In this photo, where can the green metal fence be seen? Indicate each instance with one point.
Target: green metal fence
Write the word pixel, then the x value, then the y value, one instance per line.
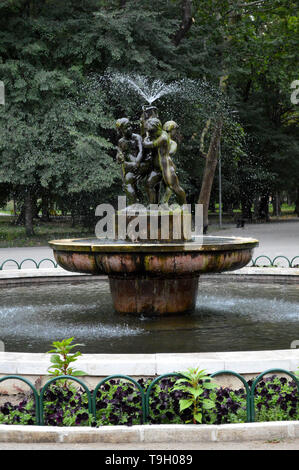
pixel 20 264
pixel 259 261
pixel 145 397
pixel 291 263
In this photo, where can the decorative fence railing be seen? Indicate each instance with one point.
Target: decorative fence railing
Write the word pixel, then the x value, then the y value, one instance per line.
pixel 255 262
pixel 291 263
pixel 145 395
pixel 20 264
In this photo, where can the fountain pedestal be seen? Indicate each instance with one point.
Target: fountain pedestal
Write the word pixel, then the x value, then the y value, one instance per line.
pixel 154 296
pixel 153 225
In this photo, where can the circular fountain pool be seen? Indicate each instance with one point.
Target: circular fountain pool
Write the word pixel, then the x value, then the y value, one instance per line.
pixel 229 316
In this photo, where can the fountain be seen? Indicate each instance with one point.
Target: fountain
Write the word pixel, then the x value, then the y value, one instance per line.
pixel 230 315
pixel 153 261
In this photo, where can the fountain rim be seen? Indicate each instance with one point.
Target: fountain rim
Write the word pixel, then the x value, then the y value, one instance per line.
pixel 93 245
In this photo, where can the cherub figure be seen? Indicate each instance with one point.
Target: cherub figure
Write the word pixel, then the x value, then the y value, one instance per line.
pixel 129 155
pixel 159 140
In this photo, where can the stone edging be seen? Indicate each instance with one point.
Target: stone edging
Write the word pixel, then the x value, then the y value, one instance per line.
pixel 60 272
pixel 150 365
pixel 163 433
pixel 254 270
pixel 10 277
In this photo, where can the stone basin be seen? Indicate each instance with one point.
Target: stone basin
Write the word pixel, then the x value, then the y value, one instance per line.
pixel 153 278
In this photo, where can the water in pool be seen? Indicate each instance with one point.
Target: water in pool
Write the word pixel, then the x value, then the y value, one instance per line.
pixel 229 316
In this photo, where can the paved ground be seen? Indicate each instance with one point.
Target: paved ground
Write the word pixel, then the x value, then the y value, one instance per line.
pixel 37 253
pixel 288 444
pixel 280 238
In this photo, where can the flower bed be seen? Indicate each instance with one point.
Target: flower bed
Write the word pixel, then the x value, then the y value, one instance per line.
pixel 119 401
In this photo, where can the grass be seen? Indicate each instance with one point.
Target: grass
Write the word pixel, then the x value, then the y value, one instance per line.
pixel 12 235
pixel 287 213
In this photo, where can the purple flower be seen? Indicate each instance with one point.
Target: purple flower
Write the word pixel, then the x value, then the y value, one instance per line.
pixel 81 417
pixel 136 400
pixel 5 409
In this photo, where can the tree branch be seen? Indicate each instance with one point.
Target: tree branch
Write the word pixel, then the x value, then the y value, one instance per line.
pixel 186 23
pixel 251 4
pixel 246 5
pixel 202 138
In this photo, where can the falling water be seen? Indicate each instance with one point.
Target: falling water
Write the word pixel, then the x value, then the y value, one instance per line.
pixel 178 94
pixel 149 90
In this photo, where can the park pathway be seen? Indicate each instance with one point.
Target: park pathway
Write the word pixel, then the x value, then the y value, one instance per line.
pixel 277 238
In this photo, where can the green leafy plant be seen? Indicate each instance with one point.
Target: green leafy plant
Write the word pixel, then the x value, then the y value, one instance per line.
pixel 194 384
pixel 62 358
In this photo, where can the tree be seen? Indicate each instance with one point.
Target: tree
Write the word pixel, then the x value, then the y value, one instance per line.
pixel 57 133
pixel 245 36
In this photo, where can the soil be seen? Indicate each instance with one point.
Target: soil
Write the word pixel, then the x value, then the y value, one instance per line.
pixel 13 399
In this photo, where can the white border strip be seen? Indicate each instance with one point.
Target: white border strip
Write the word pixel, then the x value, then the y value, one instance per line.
pixel 151 433
pixel 102 365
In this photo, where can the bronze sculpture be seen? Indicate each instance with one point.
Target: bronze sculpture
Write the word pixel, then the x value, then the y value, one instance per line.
pixel 172 182
pixel 149 159
pixel 129 155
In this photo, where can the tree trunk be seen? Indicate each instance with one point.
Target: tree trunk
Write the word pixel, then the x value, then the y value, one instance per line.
pixel 186 23
pixel 264 208
pixel 21 217
pixel 213 205
pixel 230 209
pixel 209 173
pixel 297 203
pixel 74 216
pixel 28 213
pixel 276 203
pixel 45 209
pixel 256 202
pixel 246 205
pixel 212 155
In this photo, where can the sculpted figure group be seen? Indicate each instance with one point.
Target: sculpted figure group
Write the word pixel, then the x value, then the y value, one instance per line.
pixel 146 158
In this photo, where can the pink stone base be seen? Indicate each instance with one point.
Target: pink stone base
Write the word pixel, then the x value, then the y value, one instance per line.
pixel 154 296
